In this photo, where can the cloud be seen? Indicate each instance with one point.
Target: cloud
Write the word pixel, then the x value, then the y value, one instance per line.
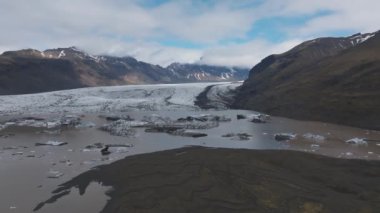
pixel 222 31
pixel 205 25
pixel 128 20
pixel 246 54
pixel 145 51
pixel 348 15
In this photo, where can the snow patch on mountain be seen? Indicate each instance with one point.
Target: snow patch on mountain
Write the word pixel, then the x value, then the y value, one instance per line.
pixel 61 54
pixel 360 38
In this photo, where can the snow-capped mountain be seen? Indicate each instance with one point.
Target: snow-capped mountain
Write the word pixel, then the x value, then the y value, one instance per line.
pixel 30 71
pixel 203 72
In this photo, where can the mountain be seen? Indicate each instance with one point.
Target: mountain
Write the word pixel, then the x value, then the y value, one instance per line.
pixel 202 72
pixel 326 79
pixel 31 71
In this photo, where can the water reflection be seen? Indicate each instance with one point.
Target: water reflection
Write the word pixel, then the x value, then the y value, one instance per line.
pixel 24 180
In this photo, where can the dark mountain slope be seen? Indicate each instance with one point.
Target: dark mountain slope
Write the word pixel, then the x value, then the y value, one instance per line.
pixel 323 79
pixel 30 71
pixel 22 75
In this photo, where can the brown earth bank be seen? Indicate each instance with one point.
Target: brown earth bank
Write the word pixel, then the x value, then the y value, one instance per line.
pixel 196 179
pixel 327 79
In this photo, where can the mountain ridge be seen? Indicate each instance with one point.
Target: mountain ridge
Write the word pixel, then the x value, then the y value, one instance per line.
pixel 327 79
pixel 30 71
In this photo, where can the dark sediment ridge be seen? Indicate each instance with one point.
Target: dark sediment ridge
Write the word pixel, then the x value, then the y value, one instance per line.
pixel 197 179
pixel 202 100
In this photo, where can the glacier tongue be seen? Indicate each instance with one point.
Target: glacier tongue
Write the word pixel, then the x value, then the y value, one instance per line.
pixel 107 99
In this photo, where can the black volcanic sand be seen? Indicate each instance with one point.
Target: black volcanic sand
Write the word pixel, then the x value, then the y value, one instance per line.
pixel 196 179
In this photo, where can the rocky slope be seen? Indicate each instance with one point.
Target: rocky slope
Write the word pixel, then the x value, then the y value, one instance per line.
pixel 31 71
pixel 327 79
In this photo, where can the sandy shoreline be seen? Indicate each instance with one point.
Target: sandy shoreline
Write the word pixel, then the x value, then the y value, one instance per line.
pixel 234 180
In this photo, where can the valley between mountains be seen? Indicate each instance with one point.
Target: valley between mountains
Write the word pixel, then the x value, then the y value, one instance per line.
pixel 132 136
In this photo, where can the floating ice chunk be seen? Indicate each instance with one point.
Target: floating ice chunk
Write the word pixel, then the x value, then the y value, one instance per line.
pixel 50 132
pixel 87 124
pixel 10 147
pixel 204 118
pixel 10 123
pixel 313 137
pixel 94 146
pixel 258 118
pixel 6 135
pixel 2 127
pixel 119 128
pixel 284 136
pixel 54 174
pixel 137 123
pixel 348 153
pixel 52 143
pixel 120 145
pixel 88 162
pixel 156 119
pixel 116 117
pixel 238 136
pixel 188 133
pixel 53 124
pixel 357 141
pixel 119 149
pixel 18 153
pixel 70 120
pixel 31 123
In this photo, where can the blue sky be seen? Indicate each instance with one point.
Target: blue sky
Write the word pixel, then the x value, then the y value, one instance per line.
pixel 222 32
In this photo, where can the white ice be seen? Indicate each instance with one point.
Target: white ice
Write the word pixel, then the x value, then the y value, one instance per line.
pixel 110 99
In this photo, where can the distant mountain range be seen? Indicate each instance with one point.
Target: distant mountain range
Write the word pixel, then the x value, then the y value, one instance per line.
pixel 202 72
pixel 328 79
pixel 31 71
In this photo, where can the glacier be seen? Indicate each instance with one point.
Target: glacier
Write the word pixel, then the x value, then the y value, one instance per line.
pixel 112 99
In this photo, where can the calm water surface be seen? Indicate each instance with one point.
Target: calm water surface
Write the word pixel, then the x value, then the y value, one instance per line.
pixel 23 171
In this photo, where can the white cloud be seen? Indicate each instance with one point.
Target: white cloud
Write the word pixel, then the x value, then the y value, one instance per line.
pixel 145 51
pixel 246 54
pixel 122 28
pixel 204 25
pixel 114 18
pixel 350 15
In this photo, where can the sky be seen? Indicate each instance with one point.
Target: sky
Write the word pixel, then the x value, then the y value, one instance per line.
pixel 218 32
